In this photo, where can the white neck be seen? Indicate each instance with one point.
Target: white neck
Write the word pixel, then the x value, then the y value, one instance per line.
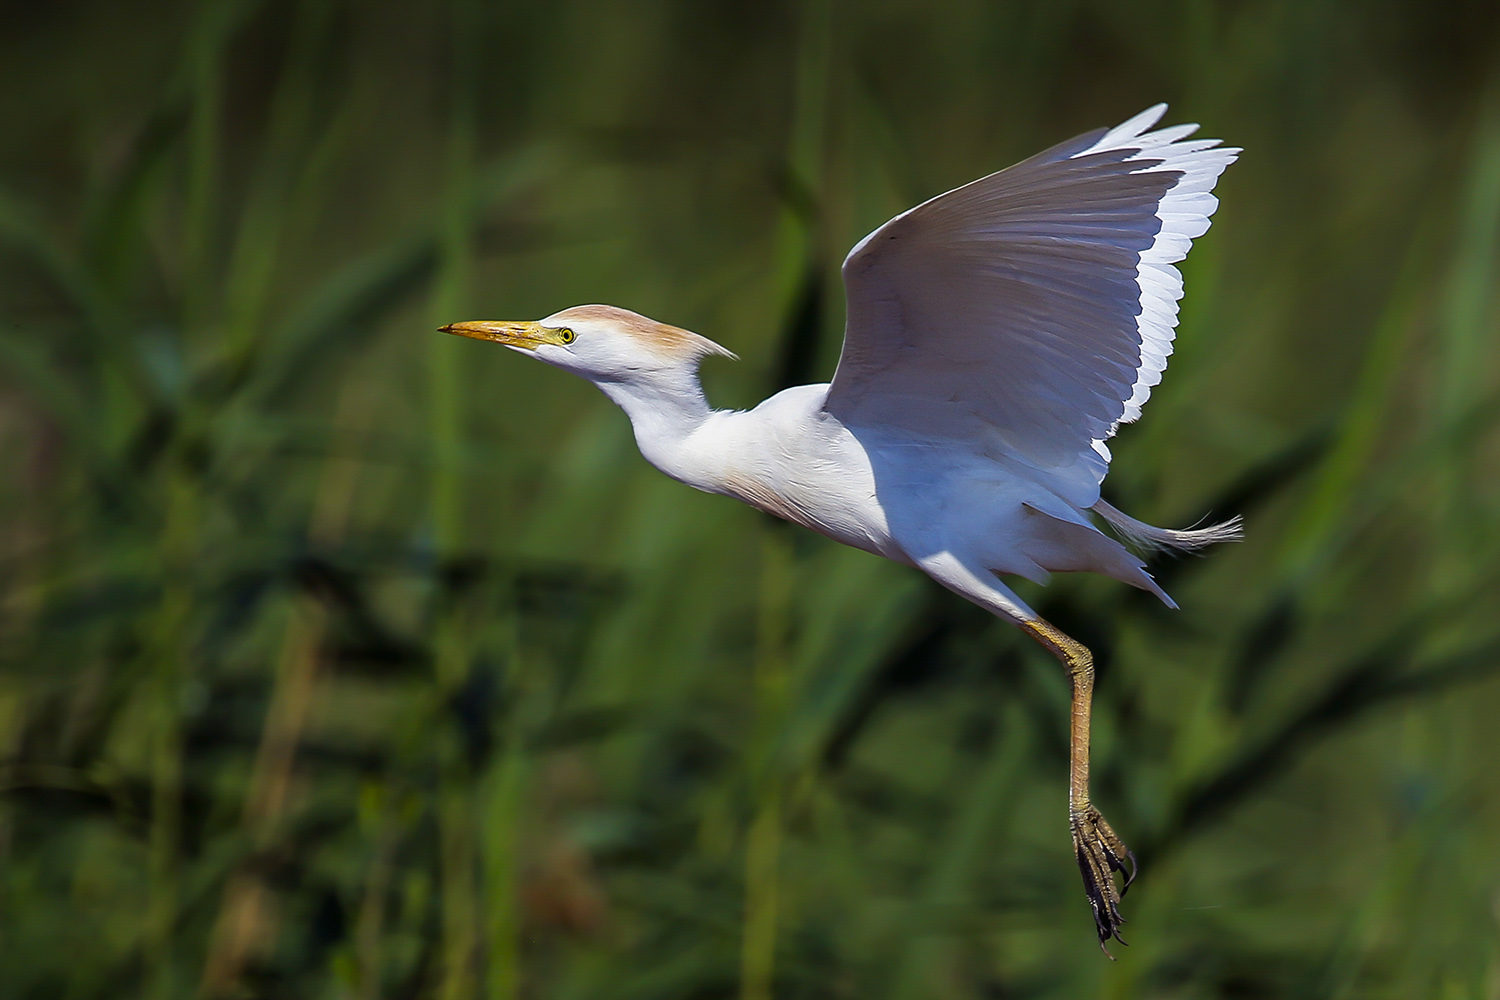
pixel 664 408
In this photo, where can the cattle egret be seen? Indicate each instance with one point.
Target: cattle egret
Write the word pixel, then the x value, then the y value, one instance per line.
pixel 997 336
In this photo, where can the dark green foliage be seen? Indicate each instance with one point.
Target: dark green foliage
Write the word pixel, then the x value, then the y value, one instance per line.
pixel 338 658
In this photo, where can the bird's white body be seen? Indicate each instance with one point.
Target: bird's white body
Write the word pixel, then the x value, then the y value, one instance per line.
pixel 949 512
pixel 790 458
pixel 997 336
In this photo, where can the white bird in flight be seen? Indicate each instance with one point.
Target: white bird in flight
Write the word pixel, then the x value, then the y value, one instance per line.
pixel 996 337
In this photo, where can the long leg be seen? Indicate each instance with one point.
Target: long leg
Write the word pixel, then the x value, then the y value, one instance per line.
pixel 1100 851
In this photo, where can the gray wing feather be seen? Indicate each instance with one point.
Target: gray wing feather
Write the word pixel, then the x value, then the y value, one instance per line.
pixel 1030 312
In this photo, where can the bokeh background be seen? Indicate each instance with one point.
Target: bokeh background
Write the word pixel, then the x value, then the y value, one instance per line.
pixel 342 659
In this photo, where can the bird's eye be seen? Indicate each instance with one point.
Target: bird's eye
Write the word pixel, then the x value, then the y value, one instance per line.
pixel 566 335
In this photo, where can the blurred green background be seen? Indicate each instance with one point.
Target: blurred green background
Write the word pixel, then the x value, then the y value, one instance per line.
pixel 342 659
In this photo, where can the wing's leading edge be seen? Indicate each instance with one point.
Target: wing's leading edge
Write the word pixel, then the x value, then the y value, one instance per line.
pixel 1030 312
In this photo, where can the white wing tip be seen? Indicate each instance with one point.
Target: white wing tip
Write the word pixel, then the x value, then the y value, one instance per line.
pixel 1127 134
pixel 1132 128
pixel 1143 121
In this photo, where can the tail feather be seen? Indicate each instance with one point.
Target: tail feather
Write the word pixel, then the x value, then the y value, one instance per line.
pixel 1149 538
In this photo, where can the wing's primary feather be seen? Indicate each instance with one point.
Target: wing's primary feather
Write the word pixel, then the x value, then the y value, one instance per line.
pixel 1030 312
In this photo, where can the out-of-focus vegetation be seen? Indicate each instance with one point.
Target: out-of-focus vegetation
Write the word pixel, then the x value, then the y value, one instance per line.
pixel 341 659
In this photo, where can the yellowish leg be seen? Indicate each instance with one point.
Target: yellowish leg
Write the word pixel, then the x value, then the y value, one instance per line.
pixel 1100 851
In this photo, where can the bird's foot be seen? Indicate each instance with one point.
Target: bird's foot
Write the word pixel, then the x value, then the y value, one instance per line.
pixel 1101 853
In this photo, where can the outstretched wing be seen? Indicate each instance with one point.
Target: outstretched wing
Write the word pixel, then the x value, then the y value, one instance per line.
pixel 1030 312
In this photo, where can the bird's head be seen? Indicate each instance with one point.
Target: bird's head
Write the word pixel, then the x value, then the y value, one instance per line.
pixel 604 344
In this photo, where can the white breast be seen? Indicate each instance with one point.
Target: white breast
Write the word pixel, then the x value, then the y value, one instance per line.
pixel 789 458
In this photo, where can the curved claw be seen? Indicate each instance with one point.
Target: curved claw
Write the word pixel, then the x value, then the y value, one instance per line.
pixel 1101 853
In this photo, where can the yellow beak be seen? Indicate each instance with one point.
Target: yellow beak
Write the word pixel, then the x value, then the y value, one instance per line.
pixel 521 334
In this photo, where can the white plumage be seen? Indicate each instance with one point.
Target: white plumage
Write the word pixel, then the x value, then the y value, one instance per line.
pixel 997 336
pixel 1039 303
